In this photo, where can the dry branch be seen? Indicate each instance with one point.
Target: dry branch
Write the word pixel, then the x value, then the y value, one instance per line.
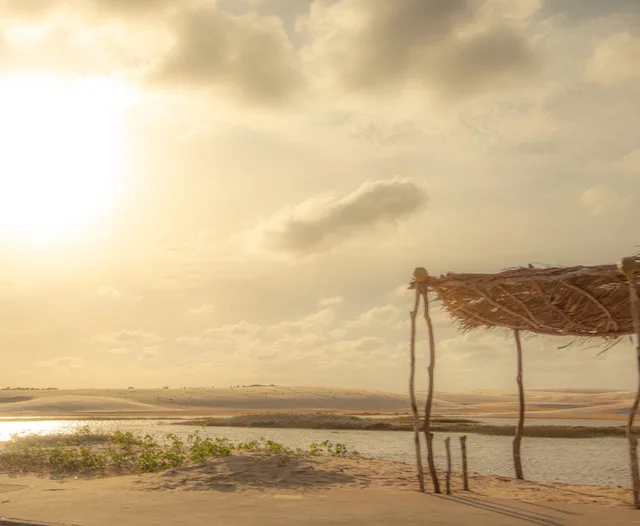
pixel 429 403
pixel 517 460
pixel 412 392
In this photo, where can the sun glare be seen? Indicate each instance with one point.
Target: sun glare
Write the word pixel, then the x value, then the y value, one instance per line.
pixel 62 154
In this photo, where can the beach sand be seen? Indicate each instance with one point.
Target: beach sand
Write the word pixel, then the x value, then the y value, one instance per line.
pixel 266 489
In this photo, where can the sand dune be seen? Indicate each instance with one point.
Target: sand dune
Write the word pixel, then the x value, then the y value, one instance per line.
pixel 565 404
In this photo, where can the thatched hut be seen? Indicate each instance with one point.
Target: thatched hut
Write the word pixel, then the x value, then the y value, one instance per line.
pixel 580 302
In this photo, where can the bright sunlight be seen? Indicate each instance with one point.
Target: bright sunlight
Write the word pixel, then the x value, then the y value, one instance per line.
pixel 62 155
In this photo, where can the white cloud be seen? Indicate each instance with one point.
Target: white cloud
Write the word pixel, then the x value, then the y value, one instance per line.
pixel 241 329
pixel 331 301
pixel 63 362
pixel 615 60
pixel 152 353
pixel 119 351
pixel 202 310
pixel 195 341
pixel 387 315
pixel 601 198
pixel 128 336
pixel 323 223
pixel 108 292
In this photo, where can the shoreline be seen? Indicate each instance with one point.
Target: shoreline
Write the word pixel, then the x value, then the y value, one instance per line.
pixel 187 414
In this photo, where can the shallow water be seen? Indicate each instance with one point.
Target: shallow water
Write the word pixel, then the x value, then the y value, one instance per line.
pixel 551 422
pixel 590 461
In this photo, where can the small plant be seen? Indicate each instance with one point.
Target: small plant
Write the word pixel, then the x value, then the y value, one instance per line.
pixel 174 454
pixel 64 460
pixel 333 450
pixel 252 445
pixel 91 461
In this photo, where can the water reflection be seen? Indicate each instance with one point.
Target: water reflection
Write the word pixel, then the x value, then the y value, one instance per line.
pixel 8 429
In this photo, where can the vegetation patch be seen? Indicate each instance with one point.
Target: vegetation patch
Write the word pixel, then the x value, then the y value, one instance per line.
pixel 93 454
pixel 403 423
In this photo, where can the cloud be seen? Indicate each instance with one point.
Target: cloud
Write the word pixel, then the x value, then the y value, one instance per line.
pixel 136 6
pixel 151 353
pixel 206 308
pixel 28 8
pixel 320 224
pixel 615 60
pixel 40 8
pixel 111 293
pixel 63 362
pixel 119 351
pixel 128 336
pixel 386 315
pixel 242 329
pixel 195 341
pixel 453 49
pixel 248 56
pixel 330 302
pixel 108 292
pixel 601 198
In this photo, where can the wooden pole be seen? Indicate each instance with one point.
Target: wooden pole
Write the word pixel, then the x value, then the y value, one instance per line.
pixel 427 410
pixel 628 267
pixel 412 392
pixel 465 474
pixel 517 461
pixel 447 445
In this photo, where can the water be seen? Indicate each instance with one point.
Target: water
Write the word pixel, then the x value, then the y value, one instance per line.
pixel 589 461
pixel 550 422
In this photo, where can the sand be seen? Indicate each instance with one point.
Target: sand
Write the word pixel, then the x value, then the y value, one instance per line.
pixel 271 489
pixel 167 403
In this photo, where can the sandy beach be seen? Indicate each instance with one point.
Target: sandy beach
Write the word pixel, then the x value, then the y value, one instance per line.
pixel 249 488
pixel 274 489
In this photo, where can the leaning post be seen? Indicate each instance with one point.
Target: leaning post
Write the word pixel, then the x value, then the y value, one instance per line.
pixel 412 392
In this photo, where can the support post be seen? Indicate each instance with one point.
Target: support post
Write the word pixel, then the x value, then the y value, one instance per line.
pixel 429 404
pixel 412 393
pixel 465 474
pixel 629 267
pixel 517 461
pixel 447 445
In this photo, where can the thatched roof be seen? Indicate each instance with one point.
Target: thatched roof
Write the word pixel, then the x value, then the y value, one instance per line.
pixel 574 301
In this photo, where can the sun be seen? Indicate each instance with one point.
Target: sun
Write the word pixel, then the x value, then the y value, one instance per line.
pixel 62 155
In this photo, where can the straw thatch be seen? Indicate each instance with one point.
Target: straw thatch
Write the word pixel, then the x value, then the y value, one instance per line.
pixel 573 301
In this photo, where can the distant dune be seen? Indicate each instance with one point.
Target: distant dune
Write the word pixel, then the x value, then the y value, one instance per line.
pixel 149 403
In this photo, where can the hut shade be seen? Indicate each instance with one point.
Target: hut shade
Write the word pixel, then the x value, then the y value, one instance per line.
pixel 568 301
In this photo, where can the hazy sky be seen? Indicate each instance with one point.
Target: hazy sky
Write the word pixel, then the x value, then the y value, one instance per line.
pixel 213 193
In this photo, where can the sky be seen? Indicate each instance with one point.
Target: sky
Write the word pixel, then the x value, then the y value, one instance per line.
pixel 234 192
